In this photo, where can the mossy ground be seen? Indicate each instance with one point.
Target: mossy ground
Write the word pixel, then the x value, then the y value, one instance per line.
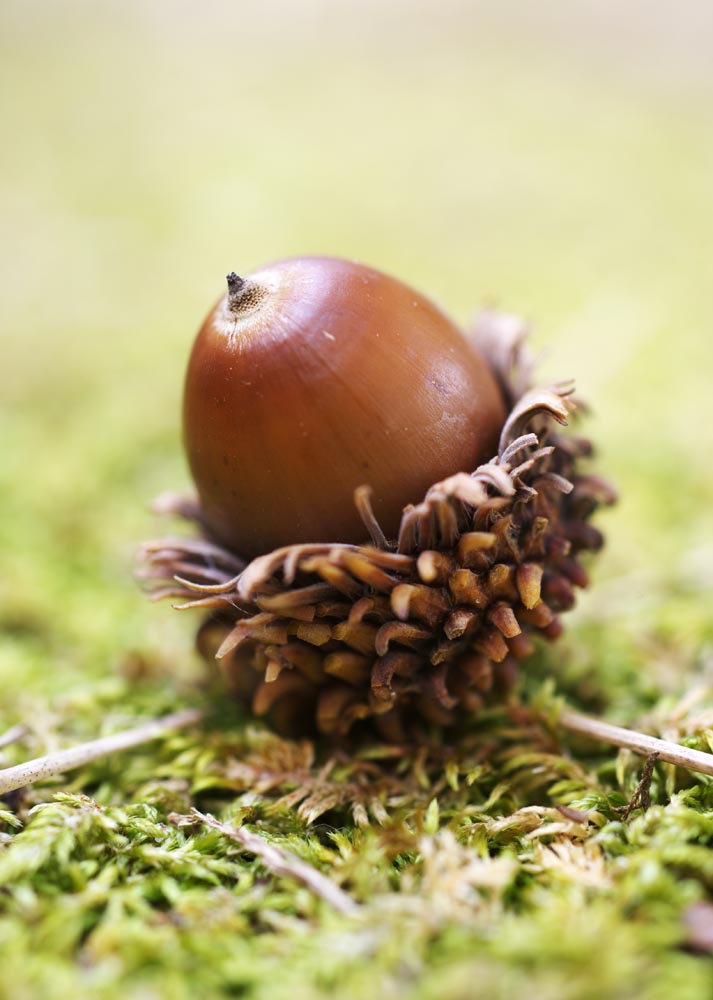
pixel 151 148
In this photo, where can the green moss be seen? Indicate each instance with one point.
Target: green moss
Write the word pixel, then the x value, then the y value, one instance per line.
pixel 536 163
pixel 461 864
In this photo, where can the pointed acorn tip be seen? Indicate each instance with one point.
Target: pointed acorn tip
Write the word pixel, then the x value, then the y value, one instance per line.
pixel 236 287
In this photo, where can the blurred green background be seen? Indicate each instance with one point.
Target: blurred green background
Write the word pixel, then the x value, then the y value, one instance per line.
pixel 553 158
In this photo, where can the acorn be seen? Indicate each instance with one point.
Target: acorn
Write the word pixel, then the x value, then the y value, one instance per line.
pixel 314 376
pixel 389 512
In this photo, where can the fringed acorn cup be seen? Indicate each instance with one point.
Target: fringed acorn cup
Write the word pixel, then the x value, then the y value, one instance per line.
pixel 428 625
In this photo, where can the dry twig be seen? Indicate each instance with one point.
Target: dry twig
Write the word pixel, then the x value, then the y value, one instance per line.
pixel 12 735
pixel 66 760
pixel 604 732
pixel 278 861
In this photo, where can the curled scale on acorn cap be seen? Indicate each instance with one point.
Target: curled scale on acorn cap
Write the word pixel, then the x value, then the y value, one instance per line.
pixel 388 510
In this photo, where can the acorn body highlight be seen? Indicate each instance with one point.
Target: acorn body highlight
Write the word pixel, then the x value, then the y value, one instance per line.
pixel 315 376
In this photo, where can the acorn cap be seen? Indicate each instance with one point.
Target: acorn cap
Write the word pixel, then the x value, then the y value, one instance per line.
pixel 430 626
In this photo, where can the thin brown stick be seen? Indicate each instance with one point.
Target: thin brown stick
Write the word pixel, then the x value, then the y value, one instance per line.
pixel 280 862
pixel 641 799
pixel 604 732
pixel 66 760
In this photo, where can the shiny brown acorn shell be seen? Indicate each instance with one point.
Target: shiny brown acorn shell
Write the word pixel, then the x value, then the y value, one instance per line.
pixel 290 403
pixel 430 625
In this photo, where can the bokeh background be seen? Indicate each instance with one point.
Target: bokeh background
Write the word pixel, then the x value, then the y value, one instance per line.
pixel 555 159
